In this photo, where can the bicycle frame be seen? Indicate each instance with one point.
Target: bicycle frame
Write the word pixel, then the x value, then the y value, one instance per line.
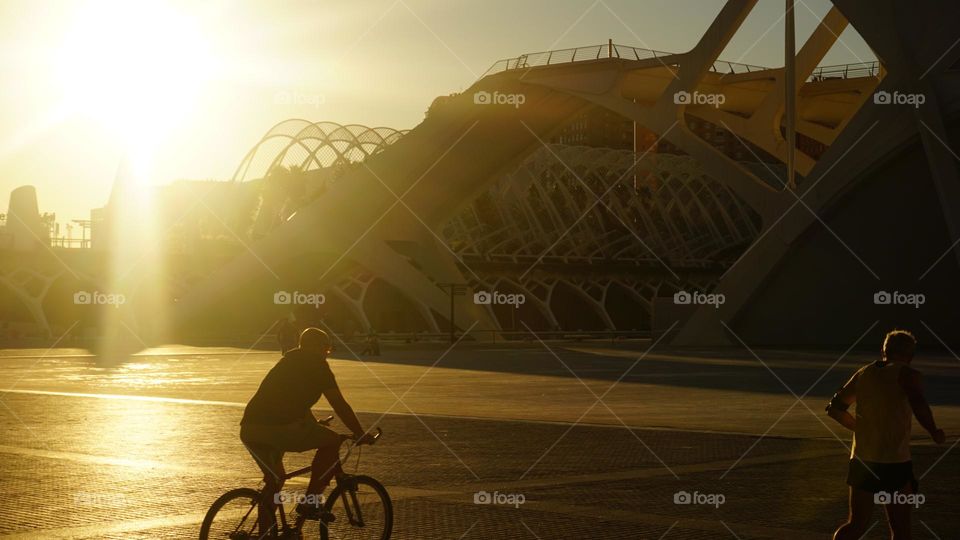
pixel 298 523
pixel 343 480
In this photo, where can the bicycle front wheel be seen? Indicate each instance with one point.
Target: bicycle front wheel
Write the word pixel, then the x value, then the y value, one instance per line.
pixel 361 509
pixel 233 517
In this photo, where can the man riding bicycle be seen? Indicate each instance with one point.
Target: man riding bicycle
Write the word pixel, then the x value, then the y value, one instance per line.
pixel 278 419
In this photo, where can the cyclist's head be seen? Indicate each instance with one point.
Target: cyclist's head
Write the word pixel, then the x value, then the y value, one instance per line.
pixel 898 345
pixel 315 340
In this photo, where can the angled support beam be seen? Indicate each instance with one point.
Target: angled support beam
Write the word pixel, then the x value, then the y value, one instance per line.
pixel 890 28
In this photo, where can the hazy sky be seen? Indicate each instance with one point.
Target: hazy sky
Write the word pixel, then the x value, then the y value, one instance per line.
pixel 197 86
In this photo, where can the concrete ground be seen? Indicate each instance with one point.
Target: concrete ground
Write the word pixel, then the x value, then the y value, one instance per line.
pixel 599 439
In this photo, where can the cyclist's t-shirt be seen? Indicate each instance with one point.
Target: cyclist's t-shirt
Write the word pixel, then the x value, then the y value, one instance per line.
pixel 288 391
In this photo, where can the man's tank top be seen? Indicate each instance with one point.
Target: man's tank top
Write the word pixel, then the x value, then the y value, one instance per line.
pixel 883 415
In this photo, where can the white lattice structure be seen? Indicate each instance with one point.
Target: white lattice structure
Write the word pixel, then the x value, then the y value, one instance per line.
pixel 677 212
pixel 313 145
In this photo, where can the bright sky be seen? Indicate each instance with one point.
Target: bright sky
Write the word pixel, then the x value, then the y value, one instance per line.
pixel 186 88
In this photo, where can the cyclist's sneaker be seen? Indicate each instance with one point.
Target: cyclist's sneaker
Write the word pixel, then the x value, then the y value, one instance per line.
pixel 314 513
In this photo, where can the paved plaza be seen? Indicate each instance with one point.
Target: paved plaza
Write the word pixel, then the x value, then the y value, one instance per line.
pixel 599 439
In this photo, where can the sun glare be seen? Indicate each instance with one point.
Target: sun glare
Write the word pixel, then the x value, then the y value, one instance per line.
pixel 137 68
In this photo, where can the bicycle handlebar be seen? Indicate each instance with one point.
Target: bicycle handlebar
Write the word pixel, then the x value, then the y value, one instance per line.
pixel 326 422
pixel 376 436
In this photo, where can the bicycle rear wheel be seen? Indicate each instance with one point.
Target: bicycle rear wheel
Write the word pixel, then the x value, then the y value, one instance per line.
pixel 234 516
pixel 361 509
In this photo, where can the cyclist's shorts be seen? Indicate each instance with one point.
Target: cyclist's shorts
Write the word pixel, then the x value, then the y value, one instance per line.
pixel 268 443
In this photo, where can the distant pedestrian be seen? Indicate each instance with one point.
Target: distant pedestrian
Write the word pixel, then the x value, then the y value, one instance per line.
pixel 372 344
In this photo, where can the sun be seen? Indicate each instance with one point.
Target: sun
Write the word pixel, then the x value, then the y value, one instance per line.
pixel 137 68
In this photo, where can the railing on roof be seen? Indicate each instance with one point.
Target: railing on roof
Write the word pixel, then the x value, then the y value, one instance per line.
pixel 626 52
pixel 596 52
pixel 846 71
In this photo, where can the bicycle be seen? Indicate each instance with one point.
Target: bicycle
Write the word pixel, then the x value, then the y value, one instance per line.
pixel 364 509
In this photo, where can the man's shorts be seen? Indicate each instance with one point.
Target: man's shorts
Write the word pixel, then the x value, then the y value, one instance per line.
pixel 267 443
pixel 876 477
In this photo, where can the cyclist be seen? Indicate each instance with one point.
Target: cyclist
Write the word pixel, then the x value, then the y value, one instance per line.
pixel 888 393
pixel 278 419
